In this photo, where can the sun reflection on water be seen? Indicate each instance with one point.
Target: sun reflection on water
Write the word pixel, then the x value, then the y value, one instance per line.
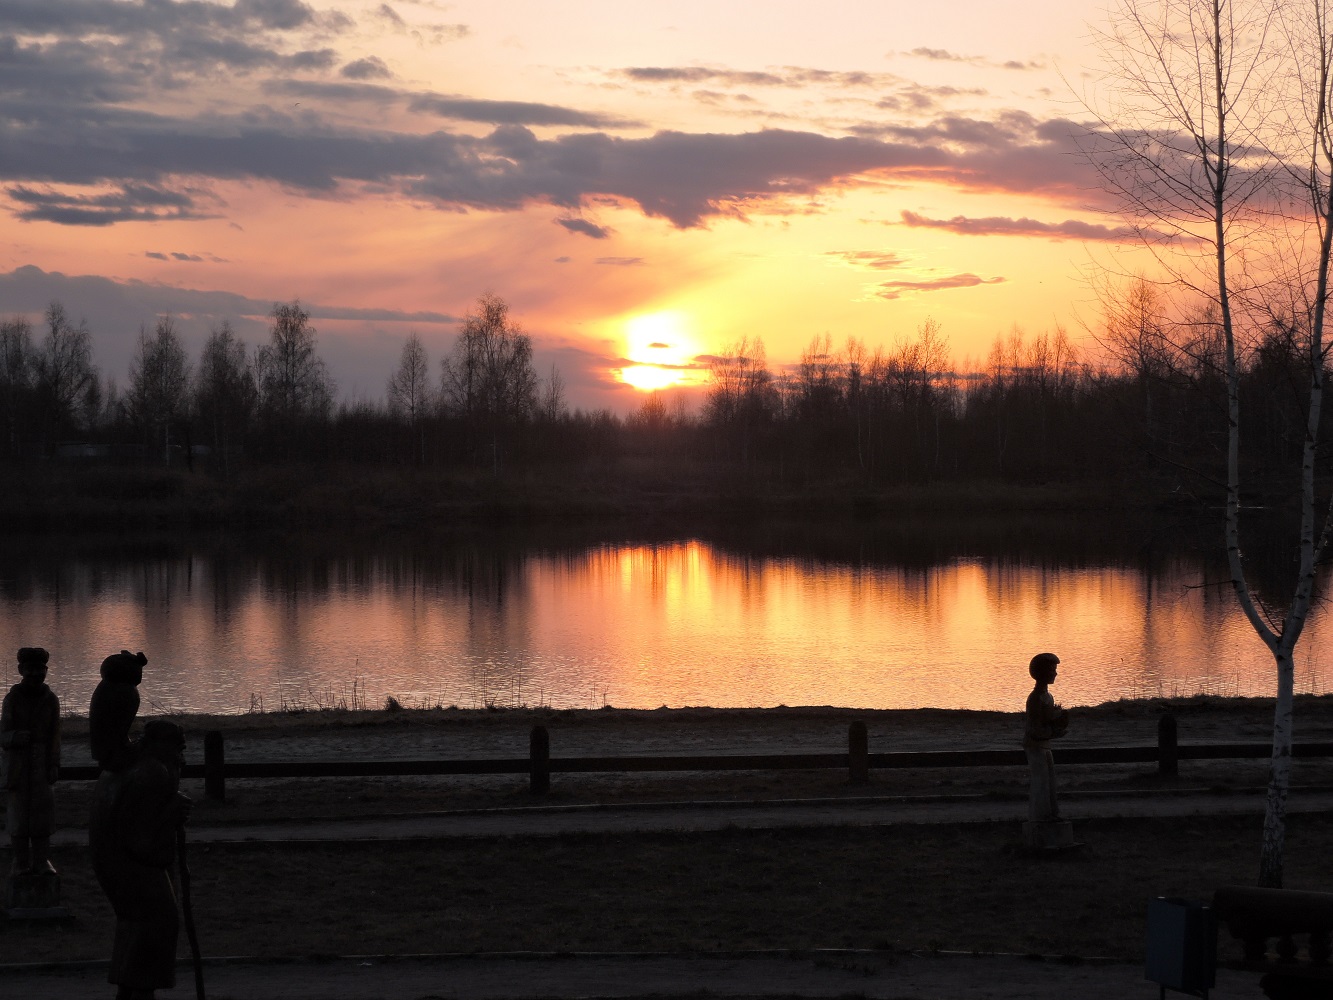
pixel 676 623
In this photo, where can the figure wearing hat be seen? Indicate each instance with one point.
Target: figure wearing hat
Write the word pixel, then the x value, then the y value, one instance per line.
pixel 30 740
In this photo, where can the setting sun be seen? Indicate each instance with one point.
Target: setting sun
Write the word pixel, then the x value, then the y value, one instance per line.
pixel 661 350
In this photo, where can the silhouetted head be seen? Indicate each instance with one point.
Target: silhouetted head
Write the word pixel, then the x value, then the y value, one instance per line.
pixel 1042 667
pixel 124 667
pixel 32 665
pixel 114 705
pixel 165 741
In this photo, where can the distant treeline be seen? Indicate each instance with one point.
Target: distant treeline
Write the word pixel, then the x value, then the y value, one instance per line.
pixel 1036 412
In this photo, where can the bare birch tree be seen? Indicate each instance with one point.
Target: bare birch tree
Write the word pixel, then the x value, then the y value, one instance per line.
pixel 293 382
pixel 740 391
pixel 1200 145
pixel 409 390
pixel 66 380
pixel 16 364
pixel 224 392
pixel 488 379
pixel 159 380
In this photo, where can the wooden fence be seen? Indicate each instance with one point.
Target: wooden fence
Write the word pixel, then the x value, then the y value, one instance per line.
pixel 539 765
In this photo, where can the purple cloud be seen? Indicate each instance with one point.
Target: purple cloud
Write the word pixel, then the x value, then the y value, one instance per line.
pixel 585 227
pixel 898 288
pixel 1070 229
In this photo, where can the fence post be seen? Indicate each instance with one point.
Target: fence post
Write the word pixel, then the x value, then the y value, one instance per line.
pixel 539 761
pixel 1168 750
pixel 858 754
pixel 215 780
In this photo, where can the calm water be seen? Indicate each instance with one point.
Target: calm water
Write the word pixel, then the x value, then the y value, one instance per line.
pixel 897 619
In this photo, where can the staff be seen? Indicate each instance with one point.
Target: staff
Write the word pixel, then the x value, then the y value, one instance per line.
pixel 187 909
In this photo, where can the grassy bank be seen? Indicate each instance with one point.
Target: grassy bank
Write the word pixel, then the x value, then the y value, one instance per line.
pixel 965 887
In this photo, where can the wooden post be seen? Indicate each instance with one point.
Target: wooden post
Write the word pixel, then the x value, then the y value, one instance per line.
pixel 215 781
pixel 858 754
pixel 539 761
pixel 1168 750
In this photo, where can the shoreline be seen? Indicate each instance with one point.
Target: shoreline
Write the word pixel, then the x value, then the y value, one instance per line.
pixel 138 498
pixel 323 717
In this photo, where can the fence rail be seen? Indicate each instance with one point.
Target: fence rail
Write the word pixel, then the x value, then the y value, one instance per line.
pixel 539 765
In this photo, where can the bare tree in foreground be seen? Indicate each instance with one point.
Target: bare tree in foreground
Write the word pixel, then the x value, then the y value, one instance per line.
pixel 1221 122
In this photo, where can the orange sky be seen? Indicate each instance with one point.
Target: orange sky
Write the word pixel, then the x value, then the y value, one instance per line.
pixel 643 183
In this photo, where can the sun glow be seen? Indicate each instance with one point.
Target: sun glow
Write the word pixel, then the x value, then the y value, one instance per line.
pixel 661 352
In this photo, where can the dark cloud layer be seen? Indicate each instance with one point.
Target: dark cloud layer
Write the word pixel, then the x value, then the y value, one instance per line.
pixel 116 310
pixel 683 177
pixel 29 289
pixel 79 145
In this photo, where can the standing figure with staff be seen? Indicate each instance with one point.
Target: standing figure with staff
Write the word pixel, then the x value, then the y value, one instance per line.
pixel 30 740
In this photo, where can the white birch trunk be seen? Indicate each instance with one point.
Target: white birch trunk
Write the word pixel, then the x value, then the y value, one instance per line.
pixel 1279 778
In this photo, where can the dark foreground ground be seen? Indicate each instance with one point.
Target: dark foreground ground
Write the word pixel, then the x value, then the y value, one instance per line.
pixel 964 887
pixel 945 887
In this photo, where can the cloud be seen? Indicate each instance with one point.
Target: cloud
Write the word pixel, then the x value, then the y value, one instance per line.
pixel 1070 229
pixel 470 109
pixel 116 310
pixel 29 288
pixel 184 258
pixel 129 203
pixel 620 261
pixel 944 55
pixel 783 76
pixel 386 13
pixel 700 74
pixel 369 68
pixel 41 17
pixel 685 178
pixel 901 286
pixel 585 227
pixel 342 93
pixel 919 99
pixel 563 260
pixel 937 55
pixel 876 260
pixel 90 92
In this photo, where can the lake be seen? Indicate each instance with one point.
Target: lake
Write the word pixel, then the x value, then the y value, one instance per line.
pixel 884 616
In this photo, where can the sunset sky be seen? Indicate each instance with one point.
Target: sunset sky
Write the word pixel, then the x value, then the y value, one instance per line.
pixel 642 182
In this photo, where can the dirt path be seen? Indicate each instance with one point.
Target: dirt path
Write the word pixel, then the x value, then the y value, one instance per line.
pixel 546 821
pixel 830 974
